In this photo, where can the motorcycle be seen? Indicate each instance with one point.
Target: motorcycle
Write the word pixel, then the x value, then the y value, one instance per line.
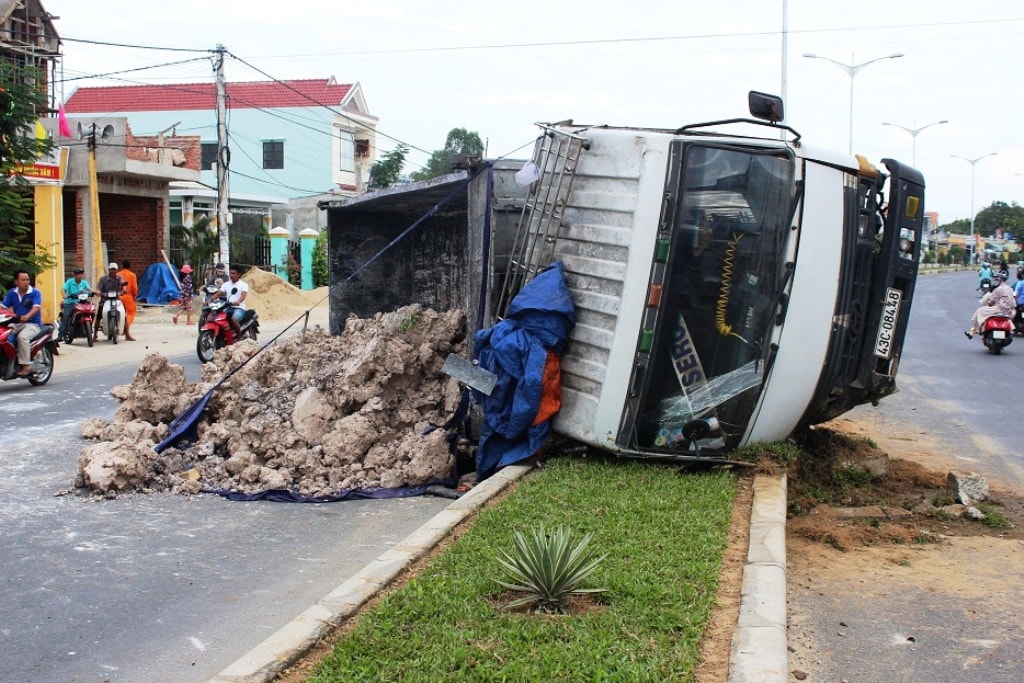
pixel 1018 321
pixel 985 286
pixel 217 332
pixel 43 348
pixel 997 333
pixel 208 292
pixel 113 315
pixel 83 318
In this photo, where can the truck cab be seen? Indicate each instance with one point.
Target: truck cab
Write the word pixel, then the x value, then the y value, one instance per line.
pixel 729 287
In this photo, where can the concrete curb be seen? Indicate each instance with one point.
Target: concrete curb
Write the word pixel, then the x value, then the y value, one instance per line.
pixel 759 647
pixel 293 640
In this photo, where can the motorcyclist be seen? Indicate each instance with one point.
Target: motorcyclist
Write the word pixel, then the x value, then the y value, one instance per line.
pixel 235 291
pixel 984 273
pixel 1000 301
pixel 1004 269
pixel 74 286
pixel 111 282
pixel 24 302
pixel 1018 290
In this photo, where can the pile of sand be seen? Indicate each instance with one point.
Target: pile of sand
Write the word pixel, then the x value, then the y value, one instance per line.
pixel 277 300
pixel 317 414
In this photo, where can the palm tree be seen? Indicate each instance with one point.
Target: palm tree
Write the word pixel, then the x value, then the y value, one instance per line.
pixel 198 245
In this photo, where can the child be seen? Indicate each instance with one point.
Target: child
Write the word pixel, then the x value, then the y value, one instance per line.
pixel 186 295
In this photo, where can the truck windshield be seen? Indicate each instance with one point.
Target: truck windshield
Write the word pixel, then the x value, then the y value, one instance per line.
pixel 725 274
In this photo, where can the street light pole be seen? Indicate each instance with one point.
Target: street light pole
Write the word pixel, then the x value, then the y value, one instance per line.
pixel 852 70
pixel 914 132
pixel 972 162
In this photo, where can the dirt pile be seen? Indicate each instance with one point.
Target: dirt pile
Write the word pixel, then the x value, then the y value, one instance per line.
pixel 847 493
pixel 317 414
pixel 275 299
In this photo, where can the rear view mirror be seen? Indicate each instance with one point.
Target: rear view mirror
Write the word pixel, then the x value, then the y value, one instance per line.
pixel 766 107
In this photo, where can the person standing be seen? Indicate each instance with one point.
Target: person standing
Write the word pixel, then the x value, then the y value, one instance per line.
pixel 128 295
pixel 25 303
pixel 74 286
pixel 186 295
pixel 111 282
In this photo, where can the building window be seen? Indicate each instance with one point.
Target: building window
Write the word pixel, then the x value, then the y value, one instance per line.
pixel 362 148
pixel 346 151
pixel 209 151
pixel 273 154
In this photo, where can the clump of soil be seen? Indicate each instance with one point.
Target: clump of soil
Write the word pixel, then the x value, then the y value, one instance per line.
pixel 846 492
pixel 317 414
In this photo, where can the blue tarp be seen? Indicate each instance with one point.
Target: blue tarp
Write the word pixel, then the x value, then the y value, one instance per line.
pixel 157 285
pixel 539 320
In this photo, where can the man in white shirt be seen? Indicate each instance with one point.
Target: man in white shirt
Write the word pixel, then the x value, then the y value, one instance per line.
pixel 235 291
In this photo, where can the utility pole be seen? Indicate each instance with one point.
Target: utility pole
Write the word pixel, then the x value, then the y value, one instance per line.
pixel 223 160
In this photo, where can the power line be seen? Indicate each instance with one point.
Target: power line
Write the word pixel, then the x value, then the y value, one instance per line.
pixel 135 47
pixel 141 68
pixel 320 104
pixel 647 39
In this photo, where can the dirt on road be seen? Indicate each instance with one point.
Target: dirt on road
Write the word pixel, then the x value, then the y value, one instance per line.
pixel 912 589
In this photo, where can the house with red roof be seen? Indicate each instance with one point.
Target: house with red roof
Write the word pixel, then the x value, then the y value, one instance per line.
pixel 286 140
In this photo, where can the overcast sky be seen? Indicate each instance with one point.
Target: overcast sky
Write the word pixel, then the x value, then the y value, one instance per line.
pixel 496 68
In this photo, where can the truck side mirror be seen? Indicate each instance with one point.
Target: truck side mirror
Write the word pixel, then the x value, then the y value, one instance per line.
pixel 766 107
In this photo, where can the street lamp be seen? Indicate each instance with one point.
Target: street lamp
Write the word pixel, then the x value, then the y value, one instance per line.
pixel 972 162
pixel 914 132
pixel 852 70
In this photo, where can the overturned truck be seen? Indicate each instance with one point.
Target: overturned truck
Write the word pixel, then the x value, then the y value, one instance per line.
pixel 729 287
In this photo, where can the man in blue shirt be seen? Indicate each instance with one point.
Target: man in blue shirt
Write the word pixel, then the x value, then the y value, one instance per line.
pixel 72 288
pixel 25 303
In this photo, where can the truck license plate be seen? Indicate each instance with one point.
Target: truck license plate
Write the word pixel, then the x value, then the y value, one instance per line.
pixel 887 325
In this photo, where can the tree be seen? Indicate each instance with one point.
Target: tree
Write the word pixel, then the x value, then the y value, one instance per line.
pixel 198 245
pixel 459 141
pixel 388 170
pixel 321 272
pixel 20 104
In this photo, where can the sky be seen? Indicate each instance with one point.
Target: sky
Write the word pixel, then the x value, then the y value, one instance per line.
pixel 498 68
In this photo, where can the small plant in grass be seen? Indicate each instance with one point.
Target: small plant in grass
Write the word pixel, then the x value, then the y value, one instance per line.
pixel 408 323
pixel 549 566
pixel 993 518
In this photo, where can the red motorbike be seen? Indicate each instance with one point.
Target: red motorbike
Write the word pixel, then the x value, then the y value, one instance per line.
pixel 997 332
pixel 43 349
pixel 216 331
pixel 83 319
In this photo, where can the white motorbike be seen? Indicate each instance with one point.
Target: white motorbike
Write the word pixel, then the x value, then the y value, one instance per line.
pixel 111 318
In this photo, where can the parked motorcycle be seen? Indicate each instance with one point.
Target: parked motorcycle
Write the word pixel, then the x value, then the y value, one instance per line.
pixel 113 315
pixel 43 349
pixel 997 333
pixel 83 318
pixel 217 333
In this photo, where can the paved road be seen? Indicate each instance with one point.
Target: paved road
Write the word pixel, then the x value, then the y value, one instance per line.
pixel 155 588
pixel 898 627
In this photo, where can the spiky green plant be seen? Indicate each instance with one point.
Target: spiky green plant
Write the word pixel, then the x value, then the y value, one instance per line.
pixel 549 566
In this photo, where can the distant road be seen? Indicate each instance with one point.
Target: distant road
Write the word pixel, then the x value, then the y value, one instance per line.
pixel 953 389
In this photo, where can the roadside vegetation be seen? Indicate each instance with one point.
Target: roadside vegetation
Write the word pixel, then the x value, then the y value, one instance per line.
pixel 661 533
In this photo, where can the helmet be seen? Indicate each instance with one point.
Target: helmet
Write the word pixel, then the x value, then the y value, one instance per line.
pixel 999 277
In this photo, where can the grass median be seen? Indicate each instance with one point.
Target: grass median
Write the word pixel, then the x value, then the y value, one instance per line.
pixel 664 534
